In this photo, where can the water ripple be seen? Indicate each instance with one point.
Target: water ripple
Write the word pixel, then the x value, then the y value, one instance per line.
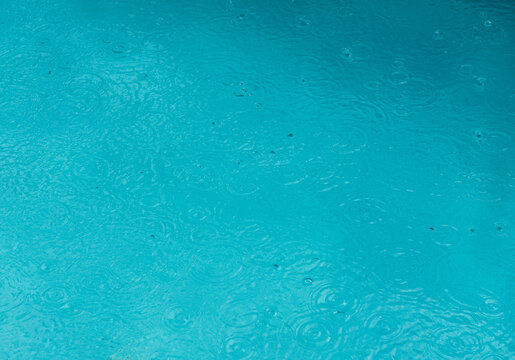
pixel 12 293
pixel 463 341
pixel 491 141
pixel 177 318
pixel 445 235
pixel 346 299
pixel 385 326
pixel 358 122
pixel 364 211
pixel 240 347
pixel 239 312
pixel 199 173
pixel 58 298
pixel 476 302
pixel 219 265
pixel 488 186
pixel 317 332
pixel 46 215
pixel 410 93
pixel 158 42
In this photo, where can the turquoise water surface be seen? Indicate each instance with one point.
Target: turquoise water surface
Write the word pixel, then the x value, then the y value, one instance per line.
pixel 244 179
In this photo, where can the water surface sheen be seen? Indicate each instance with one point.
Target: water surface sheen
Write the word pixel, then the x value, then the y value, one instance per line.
pixel 243 179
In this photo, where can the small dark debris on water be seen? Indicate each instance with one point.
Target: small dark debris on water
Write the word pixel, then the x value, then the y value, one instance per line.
pixel 49 72
pixel 141 172
pixel 118 49
pixel 499 228
pixel 276 265
pixel 472 230
pixel 272 152
pixel 212 123
pixel 431 228
pixel 152 236
pixel 290 135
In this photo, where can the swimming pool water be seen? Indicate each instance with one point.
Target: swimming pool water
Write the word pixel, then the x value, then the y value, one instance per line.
pixel 243 179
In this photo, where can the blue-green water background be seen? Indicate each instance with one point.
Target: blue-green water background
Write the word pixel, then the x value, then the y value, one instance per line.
pixel 237 179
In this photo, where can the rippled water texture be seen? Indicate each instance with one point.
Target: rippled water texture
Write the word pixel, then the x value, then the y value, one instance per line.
pixel 244 179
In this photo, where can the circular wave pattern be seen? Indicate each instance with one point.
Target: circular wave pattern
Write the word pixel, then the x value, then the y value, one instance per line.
pixel 12 292
pixel 239 313
pixel 57 298
pixel 358 123
pixel 338 298
pixel 445 235
pixel 384 326
pixel 47 215
pixel 410 93
pixel 364 211
pixel 177 318
pixel 240 347
pixel 199 174
pixel 491 141
pixel 479 303
pixel 316 332
pixel 294 179
pixel 219 265
pixel 159 42
pixel 458 342
pixel 488 186
pixel 253 232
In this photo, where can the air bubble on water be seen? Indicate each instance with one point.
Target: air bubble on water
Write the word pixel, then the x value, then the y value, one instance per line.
pixel 308 281
pixel 487 23
pixel 480 81
pixel 304 21
pixel 346 54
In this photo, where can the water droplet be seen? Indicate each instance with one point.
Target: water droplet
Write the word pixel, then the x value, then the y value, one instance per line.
pixel 304 21
pixel 308 281
pixel 487 23
pixel 480 81
pixel 346 54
